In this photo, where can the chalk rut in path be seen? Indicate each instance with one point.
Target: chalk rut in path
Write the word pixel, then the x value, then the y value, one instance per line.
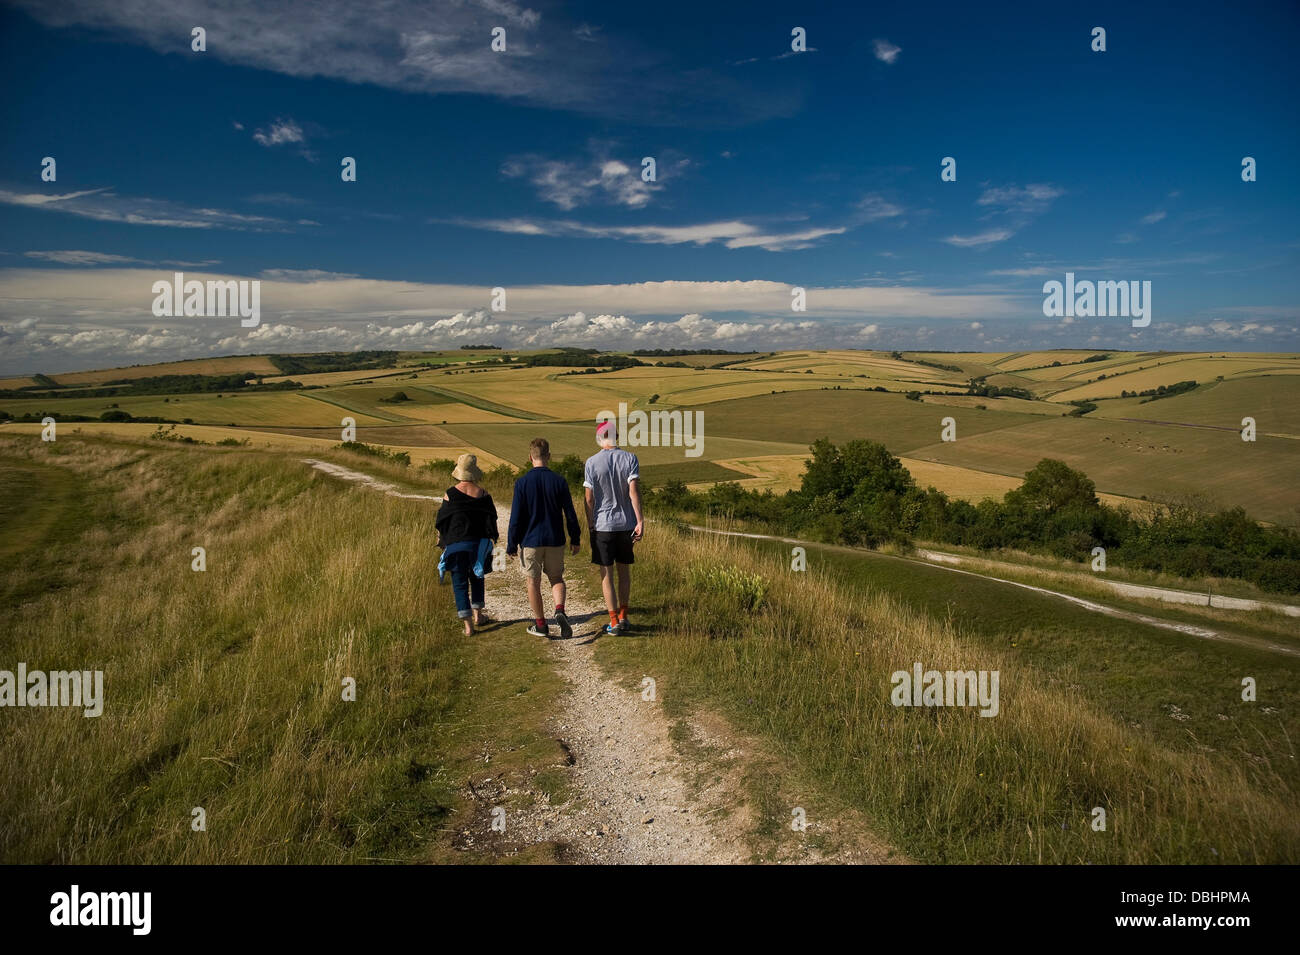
pixel 639 801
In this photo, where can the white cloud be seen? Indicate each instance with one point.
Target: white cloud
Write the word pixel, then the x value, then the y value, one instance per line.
pixel 1024 272
pixel 57 319
pixel 1154 217
pixel 81 257
pixel 733 234
pixel 1030 200
pixel 874 207
pixel 885 51
pixel 417 47
pixel 103 205
pixel 980 240
pixel 572 184
pixel 281 131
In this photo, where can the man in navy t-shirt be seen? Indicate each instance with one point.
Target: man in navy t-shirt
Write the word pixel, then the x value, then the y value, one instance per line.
pixel 541 508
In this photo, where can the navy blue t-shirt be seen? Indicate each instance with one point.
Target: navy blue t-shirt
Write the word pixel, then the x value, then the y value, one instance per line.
pixel 542 506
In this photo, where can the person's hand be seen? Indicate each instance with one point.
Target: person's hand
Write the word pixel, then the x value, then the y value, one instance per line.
pixel 573 548
pixel 638 532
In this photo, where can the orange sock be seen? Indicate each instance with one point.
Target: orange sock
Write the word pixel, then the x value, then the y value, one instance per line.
pixel 613 619
pixel 622 612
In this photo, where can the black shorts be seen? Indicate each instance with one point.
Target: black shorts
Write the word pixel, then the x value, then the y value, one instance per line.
pixel 611 547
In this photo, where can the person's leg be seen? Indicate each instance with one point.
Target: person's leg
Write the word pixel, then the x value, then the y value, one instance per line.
pixel 624 587
pixel 460 574
pixel 476 598
pixel 531 560
pixel 535 598
pixel 607 588
pixel 557 593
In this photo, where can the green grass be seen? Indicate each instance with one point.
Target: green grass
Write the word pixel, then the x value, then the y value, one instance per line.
pixel 474 401
pixel 689 472
pixel 223 688
pixel 802 417
pixel 1087 709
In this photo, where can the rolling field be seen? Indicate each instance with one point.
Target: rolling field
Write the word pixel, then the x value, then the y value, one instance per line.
pixel 251 409
pixel 844 415
pixel 257 364
pixel 1200 369
pixel 1158 462
pixel 1274 403
pixel 1182 445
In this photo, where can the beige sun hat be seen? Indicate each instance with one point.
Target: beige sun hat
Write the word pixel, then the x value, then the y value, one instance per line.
pixel 467 469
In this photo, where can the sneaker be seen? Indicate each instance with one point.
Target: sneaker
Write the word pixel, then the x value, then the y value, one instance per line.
pixel 610 630
pixel 533 631
pixel 624 628
pixel 566 629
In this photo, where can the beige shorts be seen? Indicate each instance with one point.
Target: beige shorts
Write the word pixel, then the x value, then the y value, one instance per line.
pixel 539 560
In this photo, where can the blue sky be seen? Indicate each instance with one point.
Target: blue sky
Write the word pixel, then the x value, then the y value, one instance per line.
pixel 477 169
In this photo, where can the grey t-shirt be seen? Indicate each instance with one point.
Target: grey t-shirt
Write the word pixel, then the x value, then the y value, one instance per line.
pixel 607 473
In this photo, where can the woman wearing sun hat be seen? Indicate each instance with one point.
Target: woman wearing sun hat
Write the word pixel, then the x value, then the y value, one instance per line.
pixel 467 533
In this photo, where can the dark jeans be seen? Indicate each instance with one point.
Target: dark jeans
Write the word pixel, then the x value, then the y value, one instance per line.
pixel 464 584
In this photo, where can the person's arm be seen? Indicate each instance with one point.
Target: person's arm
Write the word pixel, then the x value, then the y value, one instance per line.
pixel 634 491
pixel 589 499
pixel 571 518
pixel 440 522
pixel 512 532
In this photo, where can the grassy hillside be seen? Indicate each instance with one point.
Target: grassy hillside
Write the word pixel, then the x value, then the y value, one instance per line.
pixel 224 688
pixel 1150 728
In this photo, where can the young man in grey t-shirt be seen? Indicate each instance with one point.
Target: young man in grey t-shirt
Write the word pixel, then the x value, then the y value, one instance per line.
pixel 612 478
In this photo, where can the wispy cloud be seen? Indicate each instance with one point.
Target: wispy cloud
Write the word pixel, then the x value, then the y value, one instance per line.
pixel 279 132
pixel 83 257
pixel 1031 200
pixel 284 132
pixel 733 234
pixel 980 240
pixel 874 207
pixel 885 51
pixel 103 205
pixel 569 184
pixel 412 46
pixel 1014 206
pixel 1154 217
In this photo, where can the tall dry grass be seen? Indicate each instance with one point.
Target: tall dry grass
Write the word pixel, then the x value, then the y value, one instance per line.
pixel 224 688
pixel 809 671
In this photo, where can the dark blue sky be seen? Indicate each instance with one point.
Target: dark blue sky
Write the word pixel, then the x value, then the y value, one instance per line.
pixel 522 170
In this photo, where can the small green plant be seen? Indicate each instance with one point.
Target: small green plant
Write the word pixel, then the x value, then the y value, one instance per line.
pixel 730 583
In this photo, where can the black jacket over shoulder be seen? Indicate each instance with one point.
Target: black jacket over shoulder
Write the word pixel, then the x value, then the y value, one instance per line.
pixel 465 518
